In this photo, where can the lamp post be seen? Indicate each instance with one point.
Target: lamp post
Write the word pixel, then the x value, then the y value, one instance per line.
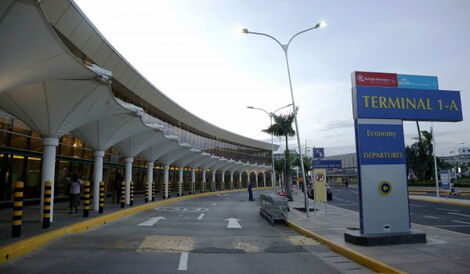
pixel 285 48
pixel 271 114
pixel 456 163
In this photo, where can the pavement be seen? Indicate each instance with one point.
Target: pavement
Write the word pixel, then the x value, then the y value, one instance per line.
pixel 445 251
pixel 216 233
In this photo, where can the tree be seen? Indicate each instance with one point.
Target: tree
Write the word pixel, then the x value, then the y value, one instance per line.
pixel 419 156
pixel 283 127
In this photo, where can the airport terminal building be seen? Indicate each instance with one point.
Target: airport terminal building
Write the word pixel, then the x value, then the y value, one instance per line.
pixel 71 104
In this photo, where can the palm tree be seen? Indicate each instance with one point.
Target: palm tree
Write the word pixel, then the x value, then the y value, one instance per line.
pixel 283 127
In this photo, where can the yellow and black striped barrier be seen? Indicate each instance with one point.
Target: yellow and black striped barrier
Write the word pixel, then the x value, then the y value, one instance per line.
pixel 146 194
pixel 17 210
pixel 154 191
pixel 123 194
pixel 132 194
pixel 101 203
pixel 86 199
pixel 46 211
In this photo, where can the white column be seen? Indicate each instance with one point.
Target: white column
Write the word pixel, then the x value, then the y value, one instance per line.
pixel 149 179
pixel 256 178
pixel 128 179
pixel 222 185
pixel 180 183
pixel 193 180
pixel 203 181
pixel 48 169
pixel 273 180
pixel 240 173
pixel 97 178
pixel 264 179
pixel 166 178
pixel 213 181
pixel 248 178
pixel 231 179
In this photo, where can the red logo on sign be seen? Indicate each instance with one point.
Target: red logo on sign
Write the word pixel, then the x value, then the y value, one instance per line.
pixel 376 79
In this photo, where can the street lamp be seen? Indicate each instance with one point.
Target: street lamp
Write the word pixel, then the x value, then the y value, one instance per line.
pixel 456 163
pixel 271 114
pixel 285 48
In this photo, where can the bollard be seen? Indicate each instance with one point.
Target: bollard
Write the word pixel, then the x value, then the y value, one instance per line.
pixel 101 206
pixel 46 211
pixel 146 194
pixel 154 191
pixel 86 199
pixel 17 210
pixel 123 194
pixel 132 194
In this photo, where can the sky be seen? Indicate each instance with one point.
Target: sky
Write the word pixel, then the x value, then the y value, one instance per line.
pixel 190 51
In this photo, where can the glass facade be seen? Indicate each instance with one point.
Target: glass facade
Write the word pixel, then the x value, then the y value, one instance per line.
pixel 21 152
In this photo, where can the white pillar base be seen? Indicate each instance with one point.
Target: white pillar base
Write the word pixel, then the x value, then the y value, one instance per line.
pixel 180 182
pixel 149 180
pixel 97 178
pixel 166 178
pixel 128 179
pixel 48 170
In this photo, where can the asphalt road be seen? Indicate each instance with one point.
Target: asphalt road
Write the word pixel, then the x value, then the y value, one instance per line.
pixel 451 217
pixel 215 234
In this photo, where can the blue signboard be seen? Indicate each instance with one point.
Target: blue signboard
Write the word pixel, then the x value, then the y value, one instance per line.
pixel 417 82
pixel 407 104
pixel 381 144
pixel 318 152
pixel 328 164
pixel 445 179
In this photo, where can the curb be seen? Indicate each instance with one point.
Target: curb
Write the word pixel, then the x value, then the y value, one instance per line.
pixel 27 245
pixel 448 202
pixel 357 257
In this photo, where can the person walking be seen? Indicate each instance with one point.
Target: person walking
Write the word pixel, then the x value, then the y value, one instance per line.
pixel 117 188
pixel 74 193
pixel 250 192
pixel 346 182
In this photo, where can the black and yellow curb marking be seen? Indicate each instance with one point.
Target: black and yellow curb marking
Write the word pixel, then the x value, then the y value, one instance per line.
pixel 131 194
pixel 86 199
pixel 101 201
pixel 154 191
pixel 146 193
pixel 122 199
pixel 46 212
pixel 448 202
pixel 17 210
pixel 357 257
pixel 23 247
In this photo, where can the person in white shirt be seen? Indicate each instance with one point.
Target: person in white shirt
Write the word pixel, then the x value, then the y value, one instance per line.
pixel 74 192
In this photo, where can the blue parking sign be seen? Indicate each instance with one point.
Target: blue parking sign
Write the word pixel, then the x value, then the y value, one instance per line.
pixel 318 152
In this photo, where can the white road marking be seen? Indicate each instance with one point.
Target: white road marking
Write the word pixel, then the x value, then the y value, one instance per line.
pixel 152 221
pixel 461 222
pixel 183 265
pixel 459 214
pixel 444 226
pixel 430 217
pixel 200 216
pixel 214 204
pixel 447 209
pixel 233 223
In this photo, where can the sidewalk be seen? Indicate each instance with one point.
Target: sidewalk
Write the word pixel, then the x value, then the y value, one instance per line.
pixel 32 224
pixel 444 252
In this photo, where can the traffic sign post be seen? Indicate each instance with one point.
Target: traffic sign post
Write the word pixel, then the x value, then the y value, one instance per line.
pixel 381 101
